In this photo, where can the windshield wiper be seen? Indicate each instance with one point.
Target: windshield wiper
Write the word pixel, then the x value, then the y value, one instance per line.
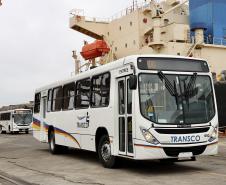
pixel 168 84
pixel 171 88
pixel 189 89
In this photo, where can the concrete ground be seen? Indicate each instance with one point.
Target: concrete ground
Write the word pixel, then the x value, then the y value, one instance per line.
pixel 24 161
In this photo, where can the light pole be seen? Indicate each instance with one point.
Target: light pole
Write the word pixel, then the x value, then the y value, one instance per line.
pixel 74 55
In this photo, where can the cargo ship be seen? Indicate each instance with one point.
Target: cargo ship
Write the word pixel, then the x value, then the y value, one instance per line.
pixel 192 28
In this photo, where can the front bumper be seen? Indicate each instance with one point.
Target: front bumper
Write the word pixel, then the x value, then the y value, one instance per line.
pixel 145 151
pixel 17 128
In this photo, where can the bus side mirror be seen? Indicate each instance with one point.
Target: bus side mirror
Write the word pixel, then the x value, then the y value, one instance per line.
pixel 133 82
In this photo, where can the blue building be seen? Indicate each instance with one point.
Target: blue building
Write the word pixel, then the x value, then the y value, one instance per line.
pixel 209 15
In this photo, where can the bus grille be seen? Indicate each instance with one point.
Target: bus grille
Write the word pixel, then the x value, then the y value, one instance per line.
pixel 175 151
pixel 182 130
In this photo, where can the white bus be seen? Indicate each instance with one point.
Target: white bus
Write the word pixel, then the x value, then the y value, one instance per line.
pixel 14 121
pixel 139 107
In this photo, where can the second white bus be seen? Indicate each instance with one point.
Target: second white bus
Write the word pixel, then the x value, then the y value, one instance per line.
pixel 139 107
pixel 14 121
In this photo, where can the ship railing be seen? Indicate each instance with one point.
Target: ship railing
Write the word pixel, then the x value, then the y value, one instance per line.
pixel 130 9
pixel 122 13
pixel 215 40
pixel 96 19
pixel 210 40
pixel 80 13
pixel 77 12
pixel 219 41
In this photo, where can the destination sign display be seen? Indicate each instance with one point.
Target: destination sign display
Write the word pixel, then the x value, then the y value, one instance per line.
pixel 22 111
pixel 172 64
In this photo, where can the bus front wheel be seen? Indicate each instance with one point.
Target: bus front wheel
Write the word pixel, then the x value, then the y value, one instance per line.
pixel 104 153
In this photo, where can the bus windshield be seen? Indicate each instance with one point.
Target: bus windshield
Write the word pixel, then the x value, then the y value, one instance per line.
pixel 176 99
pixel 23 119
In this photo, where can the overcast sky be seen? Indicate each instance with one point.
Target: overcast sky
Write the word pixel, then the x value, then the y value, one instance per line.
pixel 36 42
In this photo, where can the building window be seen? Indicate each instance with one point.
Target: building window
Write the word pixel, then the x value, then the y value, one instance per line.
pixel 131 23
pixel 49 102
pixel 126 45
pixel 116 48
pixel 37 102
pixel 82 94
pixel 69 96
pixel 57 99
pixel 120 28
pixel 100 90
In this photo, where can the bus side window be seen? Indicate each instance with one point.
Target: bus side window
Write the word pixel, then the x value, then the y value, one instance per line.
pixel 129 99
pixel 121 93
pixel 37 102
pixel 100 90
pixel 82 96
pixel 57 99
pixel 69 96
pixel 49 103
pixel 5 117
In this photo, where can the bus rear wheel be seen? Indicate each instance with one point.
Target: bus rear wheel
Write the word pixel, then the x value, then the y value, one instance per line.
pixel 53 147
pixel 104 153
pixel 1 131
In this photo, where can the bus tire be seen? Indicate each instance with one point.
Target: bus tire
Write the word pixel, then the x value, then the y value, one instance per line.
pixel 104 153
pixel 53 147
pixel 27 131
pixel 1 131
pixel 9 130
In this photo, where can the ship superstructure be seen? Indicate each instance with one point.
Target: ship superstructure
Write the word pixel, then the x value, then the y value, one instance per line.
pixel 162 27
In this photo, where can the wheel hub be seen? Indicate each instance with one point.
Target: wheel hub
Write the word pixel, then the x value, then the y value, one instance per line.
pixel 52 144
pixel 106 151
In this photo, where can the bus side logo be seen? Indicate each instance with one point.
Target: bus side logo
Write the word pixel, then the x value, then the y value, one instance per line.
pixel 83 121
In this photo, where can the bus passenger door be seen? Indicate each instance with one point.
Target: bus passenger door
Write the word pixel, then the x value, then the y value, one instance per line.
pixel 125 125
pixel 43 130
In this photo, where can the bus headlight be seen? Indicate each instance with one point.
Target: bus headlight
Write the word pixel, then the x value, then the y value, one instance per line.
pixel 213 136
pixel 149 137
